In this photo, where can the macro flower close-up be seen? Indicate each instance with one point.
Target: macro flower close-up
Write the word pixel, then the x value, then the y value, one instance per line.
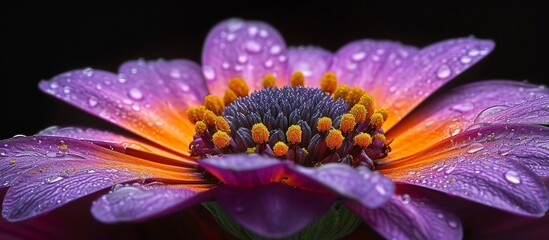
pixel 280 141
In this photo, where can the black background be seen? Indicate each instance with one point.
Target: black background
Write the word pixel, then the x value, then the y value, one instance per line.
pixel 43 40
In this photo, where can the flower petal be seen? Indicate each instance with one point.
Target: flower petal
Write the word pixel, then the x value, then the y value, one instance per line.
pixel 237 48
pixel 245 170
pixel 19 155
pixel 369 188
pixel 412 214
pixel 399 77
pixel 138 202
pixel 140 99
pixel 471 104
pixel 313 62
pixel 274 210
pixel 494 165
pixel 58 183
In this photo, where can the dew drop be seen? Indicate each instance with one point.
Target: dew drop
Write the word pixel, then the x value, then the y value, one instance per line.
pixel 444 71
pixel 275 49
pixel 282 58
pixel 440 216
pixel 269 63
pixel 231 37
pixel 209 73
pixel 253 31
pixel 54 179
pixel 473 52
pixel 263 33
pixel 452 223
pixel 91 171
pixel 380 189
pixel 67 90
pixel 242 59
pixel 92 101
pixel 225 65
pixel 122 78
pixel 475 147
pixel 253 46
pixel 358 56
pixel 462 107
pixel 512 177
pixel 175 73
pixel 88 72
pixel 51 154
pixel 465 59
pixel 54 85
pixel 488 112
pixel 136 107
pixel 135 93
pixel 406 199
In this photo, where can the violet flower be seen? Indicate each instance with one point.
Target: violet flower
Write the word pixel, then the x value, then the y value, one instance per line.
pixel 277 137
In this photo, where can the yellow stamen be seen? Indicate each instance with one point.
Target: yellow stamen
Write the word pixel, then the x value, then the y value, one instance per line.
pixel 369 103
pixel 63 147
pixel 334 139
pixel 362 139
pixel 347 123
pixel 222 125
pixel 239 87
pixel 324 124
pixel 229 97
pixel 200 127
pixel 269 81
pixel 250 150
pixel 294 134
pixel 195 113
pixel 221 139
pixel 381 138
pixel 305 151
pixel 341 92
pixel 384 113
pixel 297 79
pixel 214 104
pixel 354 95
pixel 328 83
pixel 280 149
pixel 360 112
pixel 260 134
pixel 376 120
pixel 209 117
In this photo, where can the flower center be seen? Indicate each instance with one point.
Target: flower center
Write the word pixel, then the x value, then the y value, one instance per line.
pixel 310 126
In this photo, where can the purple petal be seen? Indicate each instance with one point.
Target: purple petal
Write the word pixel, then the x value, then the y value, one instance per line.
pixel 494 165
pixel 467 106
pixel 274 210
pixel 412 214
pixel 313 62
pixel 399 77
pixel 54 184
pixel 136 99
pixel 138 202
pixel 370 189
pixel 237 48
pixel 245 170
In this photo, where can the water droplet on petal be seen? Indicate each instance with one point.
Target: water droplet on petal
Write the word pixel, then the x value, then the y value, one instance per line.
pixel 473 52
pixel 488 112
pixel 175 73
pixel 225 65
pixel 51 154
pixel 253 31
pixel 452 223
pixel 406 199
pixel 358 56
pixel 88 72
pixel 231 37
pixel 462 107
pixel 380 189
pixel 444 71
pixel 440 216
pixel 465 59
pixel 275 49
pixel 253 46
pixel 269 63
pixel 209 73
pixel 122 78
pixel 135 93
pixel 475 147
pixel 263 33
pixel 512 177
pixel 136 107
pixel 92 102
pixel 54 179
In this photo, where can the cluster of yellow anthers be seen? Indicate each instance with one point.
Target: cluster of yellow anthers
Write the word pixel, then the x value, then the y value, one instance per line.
pixel 208 117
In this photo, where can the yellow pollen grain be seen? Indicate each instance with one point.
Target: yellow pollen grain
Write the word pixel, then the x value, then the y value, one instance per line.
pixel 280 149
pixel 376 120
pixel 260 134
pixel 195 113
pixel 362 139
pixel 347 123
pixel 328 83
pixel 368 101
pixel 294 134
pixel 214 104
pixel 209 118
pixel 341 92
pixel 384 113
pixel 360 113
pixel 221 139
pixel 12 162
pixel 334 139
pixel 354 95
pixel 268 81
pixel 297 79
pixel 63 147
pixel 200 127
pixel 250 150
pixel 305 151
pixel 324 124
pixel 229 97
pixel 381 138
pixel 239 87
pixel 222 125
